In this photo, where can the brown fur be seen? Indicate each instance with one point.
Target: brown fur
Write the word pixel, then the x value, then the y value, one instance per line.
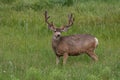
pixel 74 45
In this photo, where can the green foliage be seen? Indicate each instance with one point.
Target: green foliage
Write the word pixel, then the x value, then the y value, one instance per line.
pixel 7 1
pixel 35 5
pixel 25 41
pixel 63 2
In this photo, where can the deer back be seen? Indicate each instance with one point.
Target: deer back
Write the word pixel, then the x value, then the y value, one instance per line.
pixel 74 44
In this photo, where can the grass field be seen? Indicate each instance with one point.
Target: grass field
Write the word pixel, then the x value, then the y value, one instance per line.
pixel 25 41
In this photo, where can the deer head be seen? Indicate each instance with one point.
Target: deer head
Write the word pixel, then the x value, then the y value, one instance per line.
pixel 57 31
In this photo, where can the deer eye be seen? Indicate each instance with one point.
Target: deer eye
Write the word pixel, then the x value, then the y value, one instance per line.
pixel 55 31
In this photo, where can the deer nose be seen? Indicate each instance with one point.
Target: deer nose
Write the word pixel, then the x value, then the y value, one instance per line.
pixel 58 35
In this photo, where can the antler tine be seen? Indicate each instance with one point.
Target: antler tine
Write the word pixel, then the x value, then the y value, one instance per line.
pixel 46 17
pixel 70 22
pixel 50 24
pixel 71 19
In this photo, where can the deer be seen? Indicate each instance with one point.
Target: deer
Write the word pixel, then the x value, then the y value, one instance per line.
pixel 72 45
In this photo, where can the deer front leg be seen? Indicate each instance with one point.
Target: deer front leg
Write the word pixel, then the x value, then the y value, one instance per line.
pixel 57 59
pixel 65 56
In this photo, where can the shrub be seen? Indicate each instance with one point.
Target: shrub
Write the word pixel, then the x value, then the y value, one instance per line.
pixel 7 1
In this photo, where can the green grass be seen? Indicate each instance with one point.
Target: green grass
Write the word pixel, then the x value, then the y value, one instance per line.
pixel 25 41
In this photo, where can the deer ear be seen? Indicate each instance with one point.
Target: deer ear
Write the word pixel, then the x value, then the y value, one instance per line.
pixel 51 28
pixel 63 29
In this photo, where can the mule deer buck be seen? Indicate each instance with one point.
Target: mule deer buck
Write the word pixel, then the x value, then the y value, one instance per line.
pixel 72 45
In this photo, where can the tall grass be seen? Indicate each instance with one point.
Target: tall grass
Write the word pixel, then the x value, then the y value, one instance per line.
pixel 25 41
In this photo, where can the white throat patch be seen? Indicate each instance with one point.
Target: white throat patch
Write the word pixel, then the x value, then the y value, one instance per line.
pixel 56 38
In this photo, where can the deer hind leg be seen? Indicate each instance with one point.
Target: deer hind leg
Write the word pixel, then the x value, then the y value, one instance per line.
pixel 93 55
pixel 65 56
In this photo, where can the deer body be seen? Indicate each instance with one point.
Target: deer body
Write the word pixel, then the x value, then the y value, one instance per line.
pixel 72 45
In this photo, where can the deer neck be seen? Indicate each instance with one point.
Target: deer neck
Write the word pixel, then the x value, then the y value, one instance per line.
pixel 55 41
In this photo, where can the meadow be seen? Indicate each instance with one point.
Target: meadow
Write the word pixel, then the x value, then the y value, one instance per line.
pixel 25 41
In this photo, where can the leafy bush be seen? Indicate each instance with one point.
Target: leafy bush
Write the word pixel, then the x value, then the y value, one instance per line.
pixel 63 2
pixel 7 1
pixel 37 5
